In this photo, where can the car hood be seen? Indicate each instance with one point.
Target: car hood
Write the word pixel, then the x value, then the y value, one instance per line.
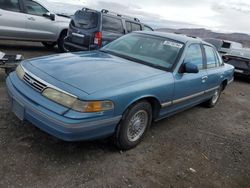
pixel 93 71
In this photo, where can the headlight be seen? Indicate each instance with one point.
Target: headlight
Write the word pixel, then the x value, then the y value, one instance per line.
pixel 20 72
pixel 76 104
pixel 59 97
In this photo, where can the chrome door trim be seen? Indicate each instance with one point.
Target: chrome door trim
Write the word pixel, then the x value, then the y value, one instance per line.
pixel 212 89
pixel 188 97
pixel 166 104
pixel 183 99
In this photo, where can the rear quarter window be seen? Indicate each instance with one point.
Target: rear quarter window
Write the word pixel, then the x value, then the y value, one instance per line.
pixel 112 24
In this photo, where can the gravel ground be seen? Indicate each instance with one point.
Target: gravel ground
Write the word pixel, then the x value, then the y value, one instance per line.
pixel 197 148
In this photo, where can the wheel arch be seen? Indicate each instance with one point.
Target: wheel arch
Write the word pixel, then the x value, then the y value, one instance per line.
pixel 63 31
pixel 154 101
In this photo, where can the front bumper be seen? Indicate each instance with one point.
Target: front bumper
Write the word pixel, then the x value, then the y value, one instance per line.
pixel 59 126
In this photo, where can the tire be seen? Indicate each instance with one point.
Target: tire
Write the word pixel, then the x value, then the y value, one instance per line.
pixel 60 42
pixel 214 100
pixel 133 126
pixel 49 45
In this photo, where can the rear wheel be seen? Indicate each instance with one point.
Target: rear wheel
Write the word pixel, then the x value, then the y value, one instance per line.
pixel 49 45
pixel 215 98
pixel 61 45
pixel 134 125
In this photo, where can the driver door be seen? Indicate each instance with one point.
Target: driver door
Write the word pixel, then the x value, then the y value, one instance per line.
pixel 190 87
pixel 39 27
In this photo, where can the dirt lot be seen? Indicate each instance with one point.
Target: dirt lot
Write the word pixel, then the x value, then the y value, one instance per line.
pixel 197 148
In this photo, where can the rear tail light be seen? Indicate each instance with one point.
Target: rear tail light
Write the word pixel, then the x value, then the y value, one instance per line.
pixel 98 38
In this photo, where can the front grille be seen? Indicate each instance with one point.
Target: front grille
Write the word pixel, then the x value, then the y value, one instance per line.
pixel 34 83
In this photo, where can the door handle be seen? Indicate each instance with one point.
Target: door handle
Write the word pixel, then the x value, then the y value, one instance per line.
pixel 204 78
pixel 31 19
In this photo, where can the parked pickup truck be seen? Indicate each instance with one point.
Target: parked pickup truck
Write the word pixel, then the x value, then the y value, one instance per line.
pixel 120 89
pixel 240 59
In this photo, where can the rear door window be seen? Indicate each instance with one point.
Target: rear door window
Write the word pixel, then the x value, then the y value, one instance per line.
pixel 86 19
pixel 112 24
pixel 11 5
pixel 212 59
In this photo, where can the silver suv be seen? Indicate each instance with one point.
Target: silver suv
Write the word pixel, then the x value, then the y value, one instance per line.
pixel 32 20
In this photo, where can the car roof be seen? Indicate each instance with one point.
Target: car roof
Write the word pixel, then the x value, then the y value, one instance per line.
pixel 173 36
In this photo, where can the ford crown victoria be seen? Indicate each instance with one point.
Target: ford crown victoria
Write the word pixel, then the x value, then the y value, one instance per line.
pixel 120 89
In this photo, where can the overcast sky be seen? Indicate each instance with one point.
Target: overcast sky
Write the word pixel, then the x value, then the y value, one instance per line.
pixel 218 15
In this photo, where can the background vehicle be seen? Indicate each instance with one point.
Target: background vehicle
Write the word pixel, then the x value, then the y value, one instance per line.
pixel 120 89
pixel 240 59
pixel 9 62
pixel 31 20
pixel 90 29
pixel 224 46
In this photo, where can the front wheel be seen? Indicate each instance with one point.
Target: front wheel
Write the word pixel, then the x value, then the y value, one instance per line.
pixel 133 125
pixel 214 99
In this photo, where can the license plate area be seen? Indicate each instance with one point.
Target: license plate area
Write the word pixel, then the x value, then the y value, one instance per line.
pixel 18 109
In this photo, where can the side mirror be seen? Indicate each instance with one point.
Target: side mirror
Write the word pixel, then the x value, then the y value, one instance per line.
pixel 50 16
pixel 190 68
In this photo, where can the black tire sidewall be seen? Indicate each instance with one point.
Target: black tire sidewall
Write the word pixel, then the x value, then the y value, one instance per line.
pixel 122 140
pixel 49 45
pixel 61 46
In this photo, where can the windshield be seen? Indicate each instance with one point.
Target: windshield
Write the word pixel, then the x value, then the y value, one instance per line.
pixel 151 50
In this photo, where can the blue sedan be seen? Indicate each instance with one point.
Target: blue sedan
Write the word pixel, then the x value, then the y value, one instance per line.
pixel 120 89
